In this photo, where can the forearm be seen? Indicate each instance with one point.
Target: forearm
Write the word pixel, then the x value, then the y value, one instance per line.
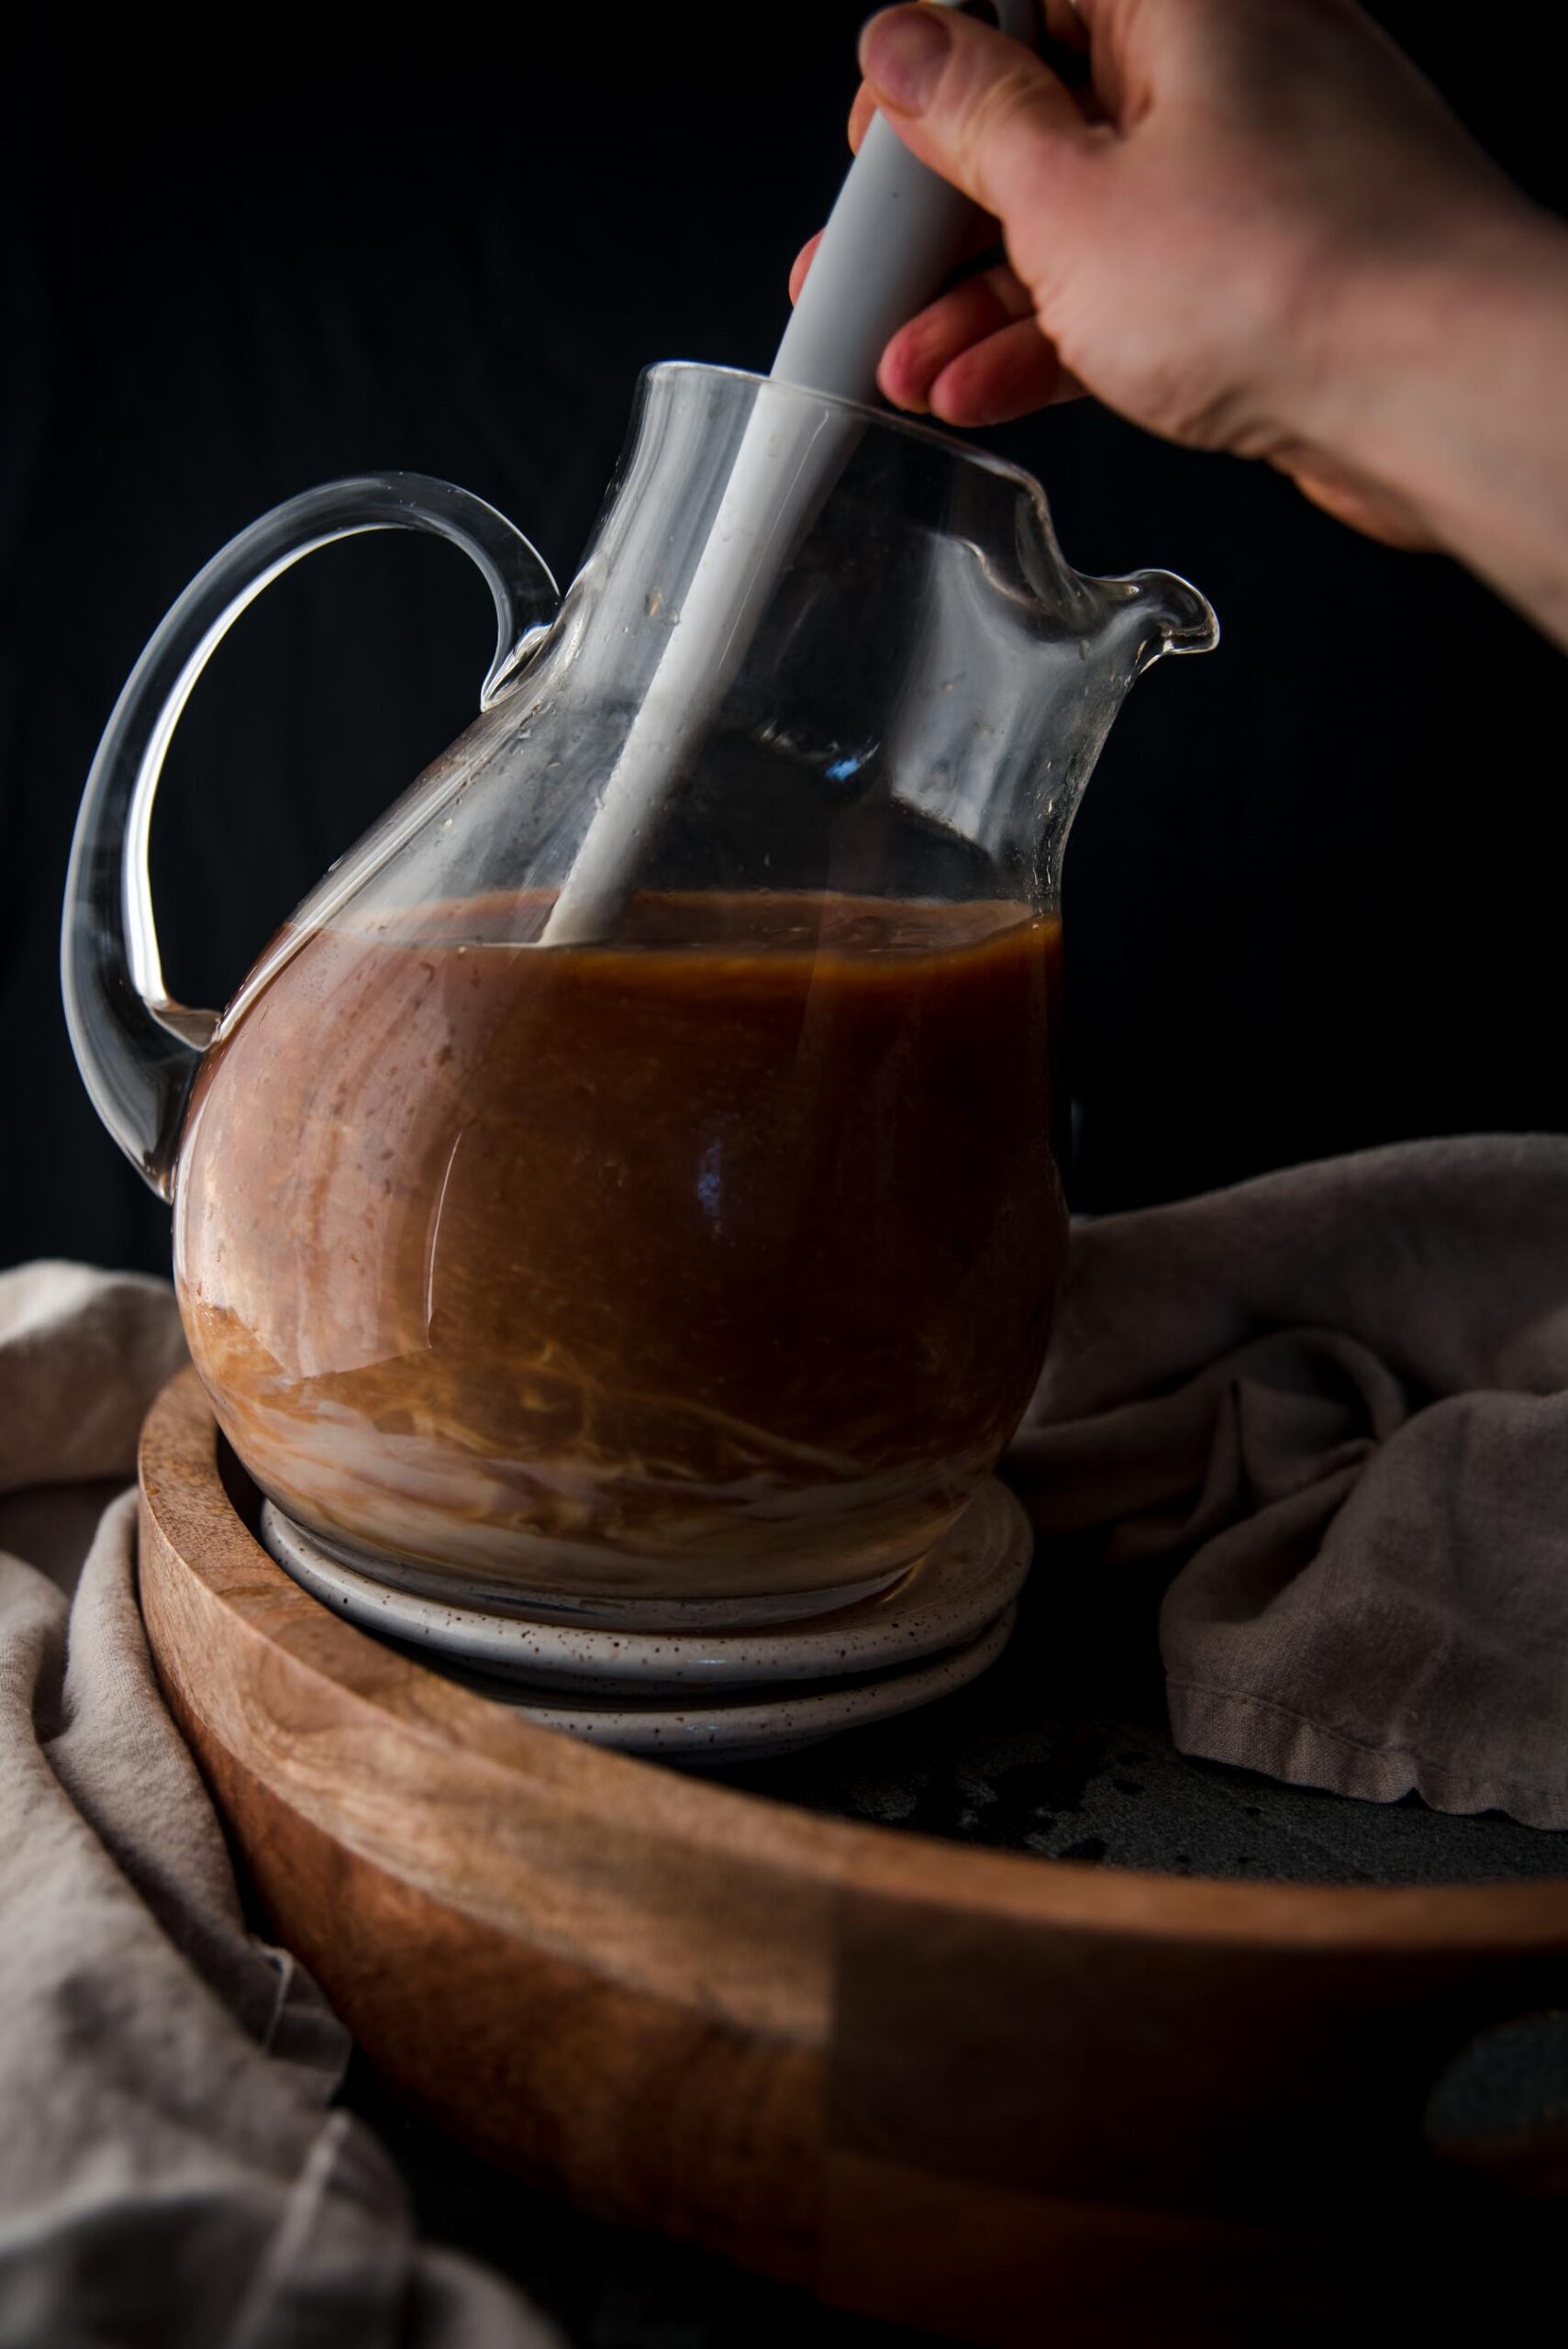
pixel 1450 396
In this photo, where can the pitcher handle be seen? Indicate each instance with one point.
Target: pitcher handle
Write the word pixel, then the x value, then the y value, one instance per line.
pixel 138 1051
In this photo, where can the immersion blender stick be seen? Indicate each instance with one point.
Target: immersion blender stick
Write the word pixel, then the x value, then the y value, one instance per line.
pixel 891 236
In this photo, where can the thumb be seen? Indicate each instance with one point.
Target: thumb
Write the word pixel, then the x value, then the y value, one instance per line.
pixel 980 108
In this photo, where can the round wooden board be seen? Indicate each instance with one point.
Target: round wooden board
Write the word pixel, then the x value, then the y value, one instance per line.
pixel 1003 2097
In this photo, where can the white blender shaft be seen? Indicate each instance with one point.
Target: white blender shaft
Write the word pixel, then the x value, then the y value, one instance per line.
pixel 891 239
pixel 896 232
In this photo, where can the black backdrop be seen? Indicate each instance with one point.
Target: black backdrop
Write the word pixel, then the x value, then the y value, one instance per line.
pixel 1311 900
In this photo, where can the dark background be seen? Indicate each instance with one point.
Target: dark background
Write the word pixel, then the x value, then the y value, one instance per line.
pixel 1311 901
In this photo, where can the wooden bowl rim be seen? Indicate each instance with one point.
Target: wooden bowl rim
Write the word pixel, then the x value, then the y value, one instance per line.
pixel 181 1486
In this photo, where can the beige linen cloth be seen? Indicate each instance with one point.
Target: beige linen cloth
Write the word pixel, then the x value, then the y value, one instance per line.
pixel 1334 1400
pixel 1340 1395
pixel 171 2171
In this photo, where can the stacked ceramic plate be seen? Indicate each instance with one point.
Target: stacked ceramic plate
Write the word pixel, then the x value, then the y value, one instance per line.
pixel 712 1694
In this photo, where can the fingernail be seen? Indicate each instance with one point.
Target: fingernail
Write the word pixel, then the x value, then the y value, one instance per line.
pixel 902 56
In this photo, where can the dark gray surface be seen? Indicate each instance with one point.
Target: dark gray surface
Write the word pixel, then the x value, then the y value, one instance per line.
pixel 1062 1750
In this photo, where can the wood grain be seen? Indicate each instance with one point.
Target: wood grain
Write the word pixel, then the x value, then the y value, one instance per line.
pixel 985 2093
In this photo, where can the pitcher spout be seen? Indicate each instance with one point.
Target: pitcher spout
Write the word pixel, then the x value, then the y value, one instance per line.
pixel 1176 618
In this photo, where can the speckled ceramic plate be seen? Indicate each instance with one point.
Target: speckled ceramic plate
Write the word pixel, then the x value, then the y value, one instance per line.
pixel 747 1726
pixel 947 1599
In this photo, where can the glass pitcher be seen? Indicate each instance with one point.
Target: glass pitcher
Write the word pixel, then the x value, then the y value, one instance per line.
pixel 698 1269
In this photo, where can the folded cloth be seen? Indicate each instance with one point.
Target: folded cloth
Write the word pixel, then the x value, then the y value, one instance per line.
pixel 171 2171
pixel 1335 1399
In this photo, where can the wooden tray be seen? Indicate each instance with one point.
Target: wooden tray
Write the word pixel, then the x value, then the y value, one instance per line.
pixel 1003 2097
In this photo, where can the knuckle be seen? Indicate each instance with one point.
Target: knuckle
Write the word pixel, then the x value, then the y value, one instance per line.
pixel 1006 134
pixel 999 106
pixel 1001 102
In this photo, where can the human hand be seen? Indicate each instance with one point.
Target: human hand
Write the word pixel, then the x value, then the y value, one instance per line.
pixel 1216 235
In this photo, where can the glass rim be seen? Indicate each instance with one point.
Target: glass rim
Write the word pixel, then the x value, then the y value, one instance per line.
pixel 887 419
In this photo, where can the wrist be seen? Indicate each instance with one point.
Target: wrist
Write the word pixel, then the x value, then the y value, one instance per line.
pixel 1435 378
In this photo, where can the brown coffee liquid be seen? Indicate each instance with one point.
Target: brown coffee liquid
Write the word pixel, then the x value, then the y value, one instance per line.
pixel 715 1261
